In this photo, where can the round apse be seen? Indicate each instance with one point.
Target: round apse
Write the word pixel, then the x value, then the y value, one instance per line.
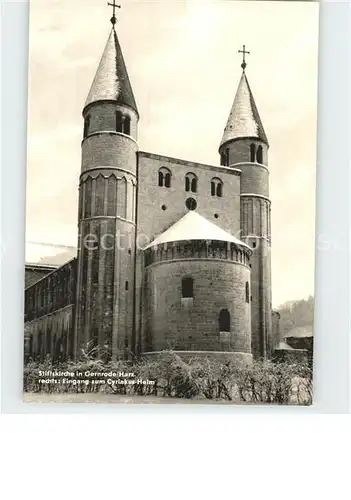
pixel 191 204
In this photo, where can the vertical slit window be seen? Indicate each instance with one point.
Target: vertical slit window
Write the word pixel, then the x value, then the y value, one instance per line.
pixel 119 121
pixel 187 288
pixel 252 153
pixel 126 125
pixel 224 321
pixel 86 126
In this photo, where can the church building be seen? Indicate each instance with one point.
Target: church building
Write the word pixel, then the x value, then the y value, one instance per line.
pixel 172 254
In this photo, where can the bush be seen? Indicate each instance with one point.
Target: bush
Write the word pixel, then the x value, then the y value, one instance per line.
pixel 260 382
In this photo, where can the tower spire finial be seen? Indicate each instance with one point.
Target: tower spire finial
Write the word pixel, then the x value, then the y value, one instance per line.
pixel 243 52
pixel 113 5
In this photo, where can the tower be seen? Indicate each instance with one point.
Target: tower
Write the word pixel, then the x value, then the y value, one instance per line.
pixel 107 208
pixel 245 146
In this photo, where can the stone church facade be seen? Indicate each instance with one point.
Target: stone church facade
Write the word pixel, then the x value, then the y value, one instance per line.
pixel 172 254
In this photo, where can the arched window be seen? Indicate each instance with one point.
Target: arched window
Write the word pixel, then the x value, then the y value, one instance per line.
pixel 119 121
pixel 164 177
pixel 216 187
pixel 252 153
pixel 191 182
pixel 247 292
pixel 126 125
pixel 224 321
pixel 86 126
pixel 187 288
pixel 259 157
pixel 225 158
pixel 213 188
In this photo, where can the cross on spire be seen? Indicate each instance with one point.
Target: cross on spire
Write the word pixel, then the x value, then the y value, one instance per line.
pixel 243 52
pixel 113 5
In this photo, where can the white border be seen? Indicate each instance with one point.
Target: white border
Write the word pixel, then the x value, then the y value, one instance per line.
pixel 332 392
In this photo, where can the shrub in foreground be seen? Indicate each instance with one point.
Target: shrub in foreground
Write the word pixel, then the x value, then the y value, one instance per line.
pixel 170 376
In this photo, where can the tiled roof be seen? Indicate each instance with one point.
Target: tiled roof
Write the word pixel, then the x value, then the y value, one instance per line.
pixel 194 227
pixel 111 80
pixel 244 120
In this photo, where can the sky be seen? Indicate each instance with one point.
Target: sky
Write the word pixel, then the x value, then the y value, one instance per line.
pixel 183 63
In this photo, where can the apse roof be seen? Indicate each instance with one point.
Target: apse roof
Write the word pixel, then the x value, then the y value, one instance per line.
pixel 244 119
pixel 193 226
pixel 284 346
pixel 111 80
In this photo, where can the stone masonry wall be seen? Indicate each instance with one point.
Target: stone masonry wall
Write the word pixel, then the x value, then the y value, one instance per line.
pixel 152 220
pixel 107 217
pixel 239 150
pixel 49 311
pixel 170 322
pixel 35 272
pixel 51 335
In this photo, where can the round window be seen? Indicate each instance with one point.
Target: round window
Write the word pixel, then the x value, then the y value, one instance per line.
pixel 191 204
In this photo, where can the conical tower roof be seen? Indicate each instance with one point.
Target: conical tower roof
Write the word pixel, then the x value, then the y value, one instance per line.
pixel 111 80
pixel 244 119
pixel 193 226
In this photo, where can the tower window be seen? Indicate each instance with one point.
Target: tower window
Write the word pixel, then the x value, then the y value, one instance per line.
pixel 247 292
pixel 259 156
pixel 119 121
pixel 225 158
pixel 187 288
pixel 126 285
pixel 216 187
pixel 126 125
pixel 252 153
pixel 224 321
pixel 164 177
pixel 191 182
pixel 86 126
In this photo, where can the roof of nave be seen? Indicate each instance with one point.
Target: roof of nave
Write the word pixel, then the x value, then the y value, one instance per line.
pixel 193 226
pixel 300 332
pixel 111 80
pixel 40 267
pixel 244 119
